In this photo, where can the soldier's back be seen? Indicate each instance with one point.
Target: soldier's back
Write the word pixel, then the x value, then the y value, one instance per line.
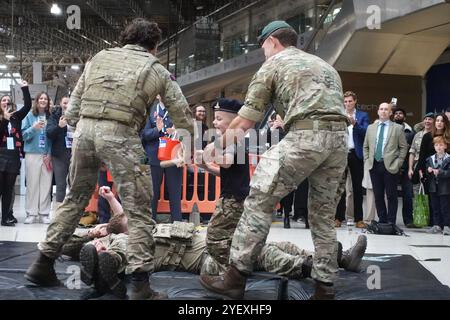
pixel 306 86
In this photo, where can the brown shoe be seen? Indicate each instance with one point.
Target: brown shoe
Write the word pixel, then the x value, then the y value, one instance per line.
pixel 337 223
pixel 231 283
pixel 140 288
pixel 42 272
pixel 323 292
pixel 361 224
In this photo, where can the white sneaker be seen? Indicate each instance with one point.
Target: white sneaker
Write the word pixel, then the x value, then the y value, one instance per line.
pixel 45 219
pixel 435 229
pixel 446 231
pixel 30 220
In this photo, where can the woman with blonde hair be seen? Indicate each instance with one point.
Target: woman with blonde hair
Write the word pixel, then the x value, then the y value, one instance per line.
pixel 39 172
pixel 11 148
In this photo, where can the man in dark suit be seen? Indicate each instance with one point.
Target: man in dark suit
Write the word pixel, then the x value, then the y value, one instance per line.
pixel 158 125
pixel 357 131
pixel 385 149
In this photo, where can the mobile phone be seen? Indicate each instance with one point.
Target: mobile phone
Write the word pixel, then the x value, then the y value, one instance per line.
pixel 394 101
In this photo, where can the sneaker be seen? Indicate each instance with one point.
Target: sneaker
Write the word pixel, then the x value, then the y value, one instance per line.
pixel 30 220
pixel 446 231
pixel 45 219
pixel 435 230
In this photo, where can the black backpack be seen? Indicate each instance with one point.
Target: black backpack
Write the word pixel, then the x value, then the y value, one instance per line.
pixel 384 228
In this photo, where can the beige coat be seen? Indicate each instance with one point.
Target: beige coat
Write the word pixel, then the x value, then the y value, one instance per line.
pixel 395 149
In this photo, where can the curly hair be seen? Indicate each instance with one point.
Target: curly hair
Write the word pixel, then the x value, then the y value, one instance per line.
pixel 142 32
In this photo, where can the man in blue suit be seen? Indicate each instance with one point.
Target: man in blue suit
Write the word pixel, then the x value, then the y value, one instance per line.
pixel 357 132
pixel 158 125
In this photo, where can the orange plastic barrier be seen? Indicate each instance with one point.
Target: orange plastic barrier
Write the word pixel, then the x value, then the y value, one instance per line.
pixel 204 205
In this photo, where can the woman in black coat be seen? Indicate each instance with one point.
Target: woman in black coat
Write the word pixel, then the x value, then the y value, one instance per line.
pixel 11 148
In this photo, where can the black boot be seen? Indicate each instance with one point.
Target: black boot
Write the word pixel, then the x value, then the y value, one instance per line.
pixel 140 288
pixel 231 283
pixel 42 272
pixel 351 258
pixel 307 267
pixel 287 223
pixel 108 270
pixel 89 264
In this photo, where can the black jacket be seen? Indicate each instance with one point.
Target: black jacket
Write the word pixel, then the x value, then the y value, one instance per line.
pixel 441 183
pixel 57 134
pixel 16 124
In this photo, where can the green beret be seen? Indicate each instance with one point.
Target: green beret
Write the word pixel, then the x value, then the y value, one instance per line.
pixel 271 28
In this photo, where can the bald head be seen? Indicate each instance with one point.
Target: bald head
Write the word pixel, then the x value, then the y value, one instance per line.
pixel 384 111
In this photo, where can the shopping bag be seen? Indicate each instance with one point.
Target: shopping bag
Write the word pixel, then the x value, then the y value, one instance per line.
pixel 421 213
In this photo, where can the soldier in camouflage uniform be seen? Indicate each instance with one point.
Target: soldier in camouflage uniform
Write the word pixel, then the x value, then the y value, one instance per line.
pixel 109 109
pixel 307 93
pixel 234 184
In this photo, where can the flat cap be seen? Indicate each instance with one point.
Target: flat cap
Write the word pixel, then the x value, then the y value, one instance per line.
pixel 227 105
pixel 271 28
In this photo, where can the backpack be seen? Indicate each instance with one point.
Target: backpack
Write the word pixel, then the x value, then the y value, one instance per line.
pixel 384 228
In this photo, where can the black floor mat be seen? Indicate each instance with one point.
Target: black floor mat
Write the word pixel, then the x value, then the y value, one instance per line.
pixel 400 277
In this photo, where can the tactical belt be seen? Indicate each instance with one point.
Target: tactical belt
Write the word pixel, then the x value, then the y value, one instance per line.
pixel 319 125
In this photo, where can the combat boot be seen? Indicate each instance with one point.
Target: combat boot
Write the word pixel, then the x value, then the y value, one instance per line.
pixel 140 288
pixel 351 258
pixel 231 283
pixel 42 272
pixel 307 267
pixel 323 292
pixel 89 263
pixel 108 265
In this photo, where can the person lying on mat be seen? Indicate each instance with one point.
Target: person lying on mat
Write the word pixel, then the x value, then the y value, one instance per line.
pixel 179 247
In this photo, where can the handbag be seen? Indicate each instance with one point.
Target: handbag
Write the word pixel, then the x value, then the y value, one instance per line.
pixel 384 228
pixel 421 209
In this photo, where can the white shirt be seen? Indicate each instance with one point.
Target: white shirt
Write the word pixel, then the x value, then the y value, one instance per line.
pixel 385 135
pixel 351 142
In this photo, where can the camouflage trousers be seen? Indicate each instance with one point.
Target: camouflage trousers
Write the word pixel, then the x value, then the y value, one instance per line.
pixel 221 228
pixel 120 148
pixel 320 156
pixel 282 258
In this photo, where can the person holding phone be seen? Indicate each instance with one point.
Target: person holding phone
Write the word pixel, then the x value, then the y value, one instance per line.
pixel 39 170
pixel 61 136
pixel 11 148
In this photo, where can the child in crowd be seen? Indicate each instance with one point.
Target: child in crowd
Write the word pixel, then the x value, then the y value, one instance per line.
pixel 438 174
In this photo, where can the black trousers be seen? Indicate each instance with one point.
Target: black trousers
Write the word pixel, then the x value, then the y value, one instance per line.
pixel 356 168
pixel 7 182
pixel 441 209
pixel 384 182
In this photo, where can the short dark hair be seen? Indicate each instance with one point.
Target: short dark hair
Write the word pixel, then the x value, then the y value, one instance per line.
pixel 115 224
pixel 401 110
pixel 287 37
pixel 142 32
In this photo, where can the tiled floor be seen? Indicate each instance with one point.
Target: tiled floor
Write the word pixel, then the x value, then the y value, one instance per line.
pixel 298 235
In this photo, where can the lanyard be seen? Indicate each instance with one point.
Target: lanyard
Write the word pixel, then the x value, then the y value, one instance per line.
pixel 9 128
pixel 165 114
